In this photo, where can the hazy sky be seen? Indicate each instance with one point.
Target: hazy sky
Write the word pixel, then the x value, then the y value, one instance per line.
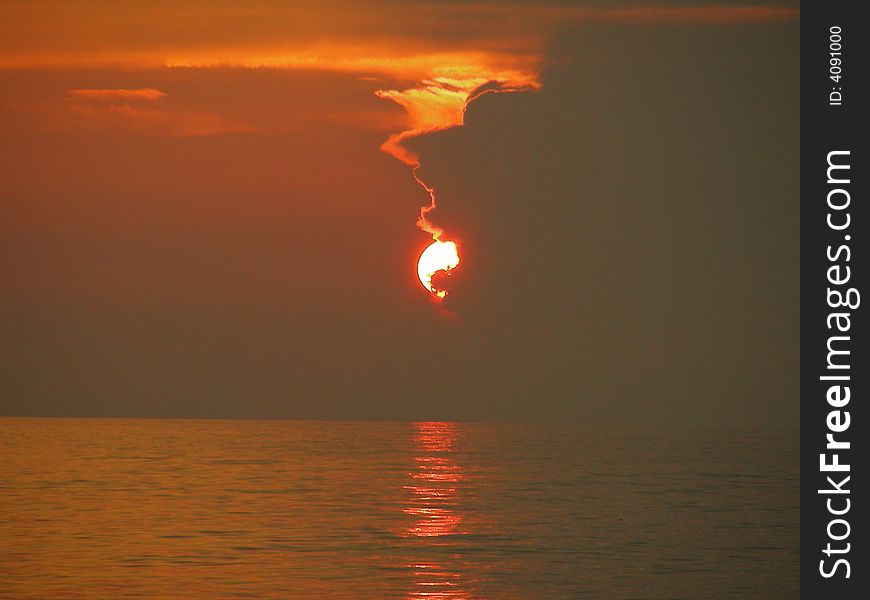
pixel 197 219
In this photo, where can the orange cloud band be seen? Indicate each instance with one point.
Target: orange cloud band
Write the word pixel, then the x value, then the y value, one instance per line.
pixel 118 94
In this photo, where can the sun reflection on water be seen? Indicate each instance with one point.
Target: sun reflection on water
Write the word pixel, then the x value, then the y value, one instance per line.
pixel 434 505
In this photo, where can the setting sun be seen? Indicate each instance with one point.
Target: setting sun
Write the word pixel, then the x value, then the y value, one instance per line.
pixel 438 256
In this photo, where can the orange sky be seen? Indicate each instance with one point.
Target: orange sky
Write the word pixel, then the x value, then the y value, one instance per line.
pixel 193 186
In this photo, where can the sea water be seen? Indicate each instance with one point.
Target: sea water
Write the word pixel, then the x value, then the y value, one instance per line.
pixel 110 508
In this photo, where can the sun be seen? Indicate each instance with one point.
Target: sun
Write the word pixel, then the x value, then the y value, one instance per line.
pixel 438 256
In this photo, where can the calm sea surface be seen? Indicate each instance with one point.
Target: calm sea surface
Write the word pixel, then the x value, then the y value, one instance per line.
pixel 283 509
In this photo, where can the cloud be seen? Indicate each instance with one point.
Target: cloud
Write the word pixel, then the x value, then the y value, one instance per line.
pixel 118 94
pixel 364 37
pixel 115 109
pixel 429 57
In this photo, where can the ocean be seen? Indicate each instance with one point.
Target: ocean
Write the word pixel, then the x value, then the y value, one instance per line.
pixel 114 508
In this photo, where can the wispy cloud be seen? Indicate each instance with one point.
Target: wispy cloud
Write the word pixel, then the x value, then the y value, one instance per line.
pixel 131 110
pixel 118 94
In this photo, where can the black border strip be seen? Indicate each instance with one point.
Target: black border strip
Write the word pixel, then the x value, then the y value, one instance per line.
pixel 832 120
